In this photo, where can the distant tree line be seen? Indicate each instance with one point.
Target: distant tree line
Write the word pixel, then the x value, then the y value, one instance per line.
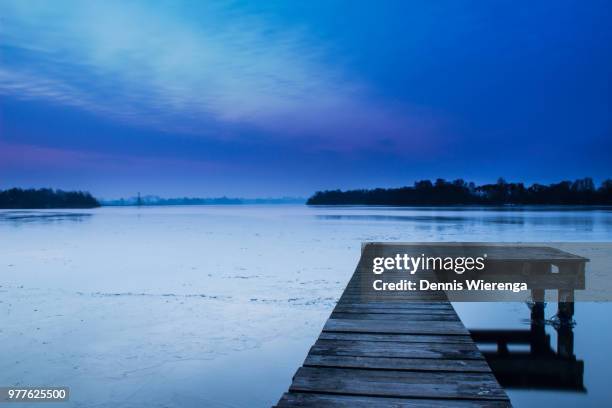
pixel 459 192
pixel 15 198
pixel 151 200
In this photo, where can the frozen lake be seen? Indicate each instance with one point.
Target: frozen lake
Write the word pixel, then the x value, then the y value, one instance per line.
pixel 182 306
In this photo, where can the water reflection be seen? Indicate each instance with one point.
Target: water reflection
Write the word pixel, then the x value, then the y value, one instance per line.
pixel 35 216
pixel 478 217
pixel 374 217
pixel 526 359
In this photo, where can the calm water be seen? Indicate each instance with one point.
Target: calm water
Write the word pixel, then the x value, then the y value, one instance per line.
pixel 182 306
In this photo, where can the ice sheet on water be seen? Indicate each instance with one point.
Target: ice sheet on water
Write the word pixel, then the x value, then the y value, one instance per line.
pixel 177 306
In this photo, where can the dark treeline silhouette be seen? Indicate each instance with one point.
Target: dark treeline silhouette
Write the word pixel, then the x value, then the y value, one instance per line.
pixel 15 198
pixel 459 192
pixel 151 200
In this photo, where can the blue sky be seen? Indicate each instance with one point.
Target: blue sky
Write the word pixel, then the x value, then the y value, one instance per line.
pixel 285 98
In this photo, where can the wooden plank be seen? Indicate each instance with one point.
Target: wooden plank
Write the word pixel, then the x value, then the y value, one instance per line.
pixel 393 349
pixel 408 338
pixel 310 400
pixel 389 363
pixel 389 326
pixel 407 304
pixel 388 297
pixel 341 308
pixel 407 384
pixel 405 317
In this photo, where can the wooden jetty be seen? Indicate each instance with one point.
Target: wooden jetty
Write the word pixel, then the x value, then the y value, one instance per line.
pixel 410 353
pixel 410 349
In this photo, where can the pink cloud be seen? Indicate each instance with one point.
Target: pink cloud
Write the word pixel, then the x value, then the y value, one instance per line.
pixel 24 157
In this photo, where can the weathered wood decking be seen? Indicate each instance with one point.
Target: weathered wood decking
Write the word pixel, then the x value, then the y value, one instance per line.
pixel 413 353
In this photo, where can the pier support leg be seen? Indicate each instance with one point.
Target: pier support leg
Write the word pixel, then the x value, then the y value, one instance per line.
pixel 566 306
pixel 537 311
pixel 565 341
pixel 538 334
pixel 538 270
pixel 565 331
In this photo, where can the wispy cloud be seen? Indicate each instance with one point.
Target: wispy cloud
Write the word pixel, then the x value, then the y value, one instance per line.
pixel 20 157
pixel 158 67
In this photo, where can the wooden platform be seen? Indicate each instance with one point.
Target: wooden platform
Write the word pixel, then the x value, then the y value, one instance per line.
pixel 409 353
